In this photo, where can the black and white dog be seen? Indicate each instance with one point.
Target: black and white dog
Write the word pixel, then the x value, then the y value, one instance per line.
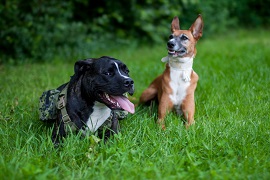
pixel 96 89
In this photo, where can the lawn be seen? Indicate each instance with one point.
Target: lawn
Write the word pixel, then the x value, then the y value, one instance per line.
pixel 230 140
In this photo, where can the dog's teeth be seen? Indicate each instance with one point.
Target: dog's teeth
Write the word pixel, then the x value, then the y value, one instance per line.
pixel 108 97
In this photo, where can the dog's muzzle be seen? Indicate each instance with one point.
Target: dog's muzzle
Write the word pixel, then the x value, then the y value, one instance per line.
pixel 171 44
pixel 174 49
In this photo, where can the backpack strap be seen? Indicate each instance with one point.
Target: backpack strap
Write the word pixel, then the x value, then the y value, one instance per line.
pixel 68 124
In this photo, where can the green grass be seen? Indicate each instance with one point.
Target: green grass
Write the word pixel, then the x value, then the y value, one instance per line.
pixel 231 138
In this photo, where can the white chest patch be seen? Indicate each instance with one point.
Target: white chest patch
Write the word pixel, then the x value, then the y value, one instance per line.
pixel 178 85
pixel 100 114
pixel 180 72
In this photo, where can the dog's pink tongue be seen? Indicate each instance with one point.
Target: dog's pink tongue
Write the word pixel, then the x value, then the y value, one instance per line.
pixel 125 103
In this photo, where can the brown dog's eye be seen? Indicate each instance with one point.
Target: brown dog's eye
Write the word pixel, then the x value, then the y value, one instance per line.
pixel 171 36
pixel 183 37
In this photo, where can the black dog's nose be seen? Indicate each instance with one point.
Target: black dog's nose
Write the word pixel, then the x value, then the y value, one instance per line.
pixel 170 44
pixel 128 82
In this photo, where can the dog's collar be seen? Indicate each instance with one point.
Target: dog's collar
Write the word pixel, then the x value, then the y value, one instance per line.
pixel 180 64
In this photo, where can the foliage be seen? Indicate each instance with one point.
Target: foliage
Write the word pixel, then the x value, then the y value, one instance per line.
pixel 40 30
pixel 35 28
pixel 230 139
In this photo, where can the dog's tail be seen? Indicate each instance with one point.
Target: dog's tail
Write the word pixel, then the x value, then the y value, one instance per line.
pixel 151 92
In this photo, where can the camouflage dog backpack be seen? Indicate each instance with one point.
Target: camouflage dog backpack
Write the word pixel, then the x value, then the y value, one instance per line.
pixel 48 105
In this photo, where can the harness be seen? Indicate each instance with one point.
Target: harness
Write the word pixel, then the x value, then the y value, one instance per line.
pixel 70 125
pixel 61 105
pixel 51 101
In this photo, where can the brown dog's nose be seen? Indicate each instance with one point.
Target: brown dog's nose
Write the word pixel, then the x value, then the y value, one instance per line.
pixel 170 44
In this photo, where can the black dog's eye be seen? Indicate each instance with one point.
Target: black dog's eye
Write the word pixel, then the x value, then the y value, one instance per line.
pixel 108 73
pixel 171 36
pixel 126 71
pixel 183 38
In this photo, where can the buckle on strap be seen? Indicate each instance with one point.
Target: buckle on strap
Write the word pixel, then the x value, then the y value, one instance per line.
pixel 61 102
pixel 66 118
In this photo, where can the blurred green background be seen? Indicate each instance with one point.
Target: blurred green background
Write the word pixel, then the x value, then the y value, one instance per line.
pixel 38 30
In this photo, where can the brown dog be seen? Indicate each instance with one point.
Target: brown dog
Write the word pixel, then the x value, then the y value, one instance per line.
pixel 174 89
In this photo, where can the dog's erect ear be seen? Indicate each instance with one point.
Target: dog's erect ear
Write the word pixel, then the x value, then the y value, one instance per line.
pixel 82 65
pixel 175 24
pixel 197 28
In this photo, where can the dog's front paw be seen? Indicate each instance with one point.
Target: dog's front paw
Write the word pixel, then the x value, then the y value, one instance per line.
pixel 121 114
pixel 188 124
pixel 161 124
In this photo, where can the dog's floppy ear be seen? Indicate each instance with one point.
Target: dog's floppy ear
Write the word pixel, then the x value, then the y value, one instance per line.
pixel 197 28
pixel 82 65
pixel 175 24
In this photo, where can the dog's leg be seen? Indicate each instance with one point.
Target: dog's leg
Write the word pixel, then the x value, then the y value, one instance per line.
pixel 165 106
pixel 188 109
pixel 188 104
pixel 115 124
pixel 57 134
pixel 113 129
